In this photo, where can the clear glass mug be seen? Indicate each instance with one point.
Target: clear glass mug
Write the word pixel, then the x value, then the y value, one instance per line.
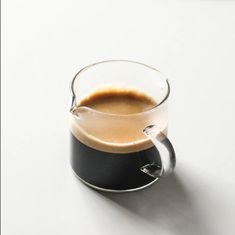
pixel 100 160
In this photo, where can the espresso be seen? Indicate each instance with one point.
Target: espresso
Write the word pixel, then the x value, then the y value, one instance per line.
pixel 109 151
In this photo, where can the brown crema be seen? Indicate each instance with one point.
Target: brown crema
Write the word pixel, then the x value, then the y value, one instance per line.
pixel 118 101
pixel 117 134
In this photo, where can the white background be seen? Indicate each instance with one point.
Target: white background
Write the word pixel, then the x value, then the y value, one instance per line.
pixel 45 43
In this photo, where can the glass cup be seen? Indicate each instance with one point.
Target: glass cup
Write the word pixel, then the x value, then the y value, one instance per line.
pixel 97 157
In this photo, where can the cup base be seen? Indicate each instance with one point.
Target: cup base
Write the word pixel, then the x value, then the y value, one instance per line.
pixel 114 190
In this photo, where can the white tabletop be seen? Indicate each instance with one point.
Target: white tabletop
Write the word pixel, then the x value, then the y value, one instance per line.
pixel 45 43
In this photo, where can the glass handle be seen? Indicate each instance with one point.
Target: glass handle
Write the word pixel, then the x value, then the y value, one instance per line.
pixel 166 150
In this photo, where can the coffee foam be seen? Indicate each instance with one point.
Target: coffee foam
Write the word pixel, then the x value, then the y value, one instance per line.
pixel 107 130
pixel 96 142
pixel 118 101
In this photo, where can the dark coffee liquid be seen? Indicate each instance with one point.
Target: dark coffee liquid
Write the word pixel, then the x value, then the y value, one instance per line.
pixel 106 163
pixel 111 170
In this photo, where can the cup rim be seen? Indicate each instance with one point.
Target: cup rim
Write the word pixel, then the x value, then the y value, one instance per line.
pixel 127 61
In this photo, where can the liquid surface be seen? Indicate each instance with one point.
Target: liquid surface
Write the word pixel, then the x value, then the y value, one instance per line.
pixel 116 134
pixel 118 101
